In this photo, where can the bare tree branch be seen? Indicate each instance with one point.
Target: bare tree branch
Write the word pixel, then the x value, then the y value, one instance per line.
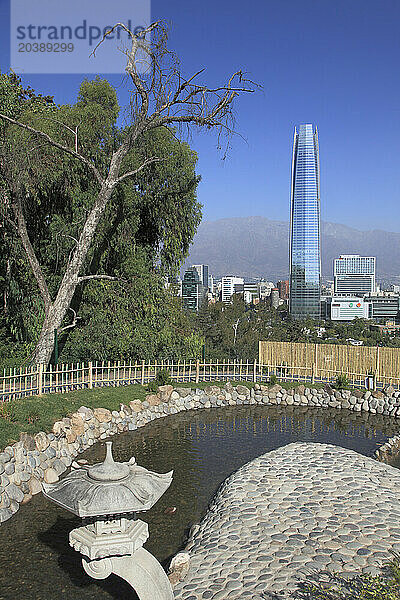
pixel 148 161
pixel 56 145
pixel 89 277
pixel 73 324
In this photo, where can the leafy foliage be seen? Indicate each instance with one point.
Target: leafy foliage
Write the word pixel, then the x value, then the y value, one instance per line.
pixel 144 235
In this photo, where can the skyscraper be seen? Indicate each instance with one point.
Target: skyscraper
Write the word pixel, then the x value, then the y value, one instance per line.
pixel 305 254
pixel 354 274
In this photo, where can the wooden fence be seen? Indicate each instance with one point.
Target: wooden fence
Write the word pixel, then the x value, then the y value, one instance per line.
pixel 38 380
pixel 324 362
pixel 308 363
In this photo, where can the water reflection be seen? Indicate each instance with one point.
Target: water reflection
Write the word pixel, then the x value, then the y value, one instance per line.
pixel 203 448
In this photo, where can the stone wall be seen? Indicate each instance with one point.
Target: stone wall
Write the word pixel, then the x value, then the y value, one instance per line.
pixel 45 456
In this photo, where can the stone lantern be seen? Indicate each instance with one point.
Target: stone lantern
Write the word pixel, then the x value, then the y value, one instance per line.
pixel 107 496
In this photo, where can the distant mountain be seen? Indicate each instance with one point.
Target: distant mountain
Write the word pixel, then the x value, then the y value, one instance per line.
pixel 258 247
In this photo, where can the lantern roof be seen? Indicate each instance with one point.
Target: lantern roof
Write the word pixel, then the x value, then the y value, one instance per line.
pixel 108 488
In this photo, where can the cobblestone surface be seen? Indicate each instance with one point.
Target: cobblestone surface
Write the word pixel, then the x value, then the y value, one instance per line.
pixel 303 508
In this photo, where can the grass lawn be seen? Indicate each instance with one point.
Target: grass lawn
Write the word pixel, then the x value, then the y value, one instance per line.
pixel 38 413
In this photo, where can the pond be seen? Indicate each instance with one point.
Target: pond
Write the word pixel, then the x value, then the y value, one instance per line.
pixel 203 448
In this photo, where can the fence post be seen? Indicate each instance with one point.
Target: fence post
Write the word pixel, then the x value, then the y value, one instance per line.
pixel 142 372
pixel 315 372
pixel 255 371
pixel 197 371
pixel 90 368
pixel 40 380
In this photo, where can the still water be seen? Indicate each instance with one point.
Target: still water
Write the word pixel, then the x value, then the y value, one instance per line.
pixel 203 448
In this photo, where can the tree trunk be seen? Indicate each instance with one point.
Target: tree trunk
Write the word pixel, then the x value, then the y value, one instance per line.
pixel 57 311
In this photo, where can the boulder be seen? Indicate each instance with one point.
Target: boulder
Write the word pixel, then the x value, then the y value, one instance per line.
pixel 77 423
pixel 86 413
pixel 377 394
pixel 70 436
pixel 153 399
pixel 14 493
pixel 103 415
pixel 179 568
pixel 277 388
pixel 300 390
pixel 34 486
pixel 27 440
pixel 50 475
pixel 136 405
pixel 41 441
pixel 213 390
pixel 58 427
pixel 242 390
pixel 183 391
pixel 164 392
pixel 358 393
pixel 389 390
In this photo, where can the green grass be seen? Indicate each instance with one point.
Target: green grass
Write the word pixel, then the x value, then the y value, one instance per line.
pixel 38 413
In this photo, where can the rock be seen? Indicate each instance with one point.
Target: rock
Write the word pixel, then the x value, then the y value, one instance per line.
pixel 103 415
pixel 5 514
pixel 58 427
pixel 50 475
pixel 27 441
pixel 4 500
pixel 41 441
pixel 10 468
pixel 77 423
pixel 174 395
pixel 229 387
pixel 183 391
pixel 136 406
pixel 358 393
pixel 179 567
pixel 212 390
pixel 70 436
pixel 58 466
pixel 328 389
pixel 14 493
pixel 242 390
pixel 377 394
pixel 164 392
pixel 86 413
pixel 277 388
pixel 34 486
pixel 300 390
pixel 389 390
pixel 26 498
pixel 126 409
pixel 153 399
pixel 365 405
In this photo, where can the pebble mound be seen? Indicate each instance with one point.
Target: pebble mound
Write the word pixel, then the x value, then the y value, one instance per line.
pixel 299 509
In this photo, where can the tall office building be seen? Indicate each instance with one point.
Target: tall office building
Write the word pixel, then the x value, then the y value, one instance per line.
pixel 305 253
pixel 228 286
pixel 194 292
pixel 354 274
pixel 202 270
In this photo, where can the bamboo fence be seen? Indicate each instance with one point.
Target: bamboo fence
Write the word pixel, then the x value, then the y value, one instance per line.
pixel 325 362
pixel 287 361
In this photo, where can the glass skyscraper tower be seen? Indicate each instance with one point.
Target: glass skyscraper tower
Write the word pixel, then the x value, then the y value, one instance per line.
pixel 305 254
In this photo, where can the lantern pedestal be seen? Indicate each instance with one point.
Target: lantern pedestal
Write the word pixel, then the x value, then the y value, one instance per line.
pixel 107 496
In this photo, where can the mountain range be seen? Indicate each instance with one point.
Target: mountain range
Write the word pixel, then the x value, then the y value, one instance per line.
pixel 258 247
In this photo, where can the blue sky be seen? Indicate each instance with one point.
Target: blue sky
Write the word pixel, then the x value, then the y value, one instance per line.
pixel 332 63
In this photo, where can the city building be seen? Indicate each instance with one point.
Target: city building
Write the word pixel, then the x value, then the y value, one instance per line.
pixel 275 298
pixel 340 308
pixel 382 308
pixel 228 286
pixel 388 328
pixel 203 273
pixel 193 291
pixel 305 253
pixel 283 289
pixel 354 275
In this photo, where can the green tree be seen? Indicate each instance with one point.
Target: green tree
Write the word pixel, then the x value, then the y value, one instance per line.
pixel 79 151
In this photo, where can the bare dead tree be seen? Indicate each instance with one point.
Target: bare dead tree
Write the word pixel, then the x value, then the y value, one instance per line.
pixel 159 97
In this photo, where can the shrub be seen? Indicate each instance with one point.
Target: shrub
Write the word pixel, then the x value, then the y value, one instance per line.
pixel 273 379
pixel 342 383
pixel 163 377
